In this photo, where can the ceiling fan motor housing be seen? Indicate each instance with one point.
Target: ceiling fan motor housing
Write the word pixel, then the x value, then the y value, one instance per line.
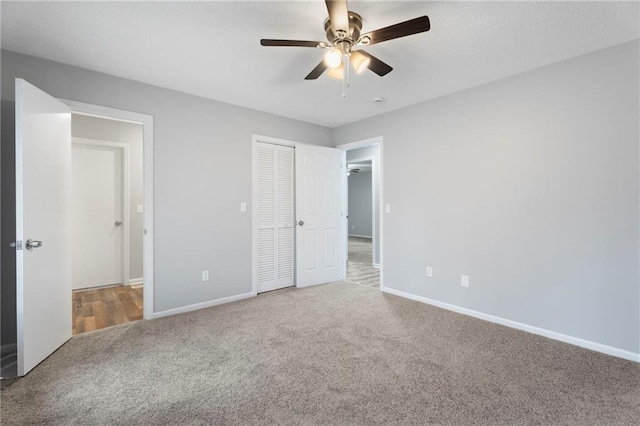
pixel 345 41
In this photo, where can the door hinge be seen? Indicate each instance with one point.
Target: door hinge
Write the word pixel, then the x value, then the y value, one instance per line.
pixel 16 245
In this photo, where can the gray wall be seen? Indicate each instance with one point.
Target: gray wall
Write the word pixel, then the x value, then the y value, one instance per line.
pixel 372 151
pixel 530 185
pixel 83 126
pixel 360 204
pixel 202 165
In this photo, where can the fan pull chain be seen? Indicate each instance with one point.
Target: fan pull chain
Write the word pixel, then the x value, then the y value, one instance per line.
pixel 344 78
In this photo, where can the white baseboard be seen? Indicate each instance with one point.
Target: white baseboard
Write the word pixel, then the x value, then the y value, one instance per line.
pixel 598 347
pixel 361 236
pixel 8 349
pixel 134 281
pixel 202 305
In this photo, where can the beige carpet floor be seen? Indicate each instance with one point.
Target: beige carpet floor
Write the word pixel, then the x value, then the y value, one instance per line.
pixel 334 354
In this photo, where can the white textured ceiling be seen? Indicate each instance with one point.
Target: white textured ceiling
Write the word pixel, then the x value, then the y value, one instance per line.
pixel 212 49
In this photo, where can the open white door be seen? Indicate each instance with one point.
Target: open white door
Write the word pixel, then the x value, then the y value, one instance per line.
pixel 318 211
pixel 43 186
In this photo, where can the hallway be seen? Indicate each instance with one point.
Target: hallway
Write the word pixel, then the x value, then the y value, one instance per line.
pixel 360 267
pixel 103 307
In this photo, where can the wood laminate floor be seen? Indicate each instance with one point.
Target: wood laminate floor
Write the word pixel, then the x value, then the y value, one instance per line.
pixel 94 309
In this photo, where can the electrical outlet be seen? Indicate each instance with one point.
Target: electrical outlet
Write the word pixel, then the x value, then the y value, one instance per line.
pixel 464 281
pixel 205 275
pixel 387 208
pixel 429 271
pixel 243 207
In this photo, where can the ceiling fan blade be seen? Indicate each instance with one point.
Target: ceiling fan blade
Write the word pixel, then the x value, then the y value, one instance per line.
pixel 292 43
pixel 339 15
pixel 317 71
pixel 376 65
pixel 403 29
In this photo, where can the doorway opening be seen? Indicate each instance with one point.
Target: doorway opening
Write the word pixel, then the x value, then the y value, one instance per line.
pixel 363 206
pixel 106 221
pixel 107 205
pixel 360 223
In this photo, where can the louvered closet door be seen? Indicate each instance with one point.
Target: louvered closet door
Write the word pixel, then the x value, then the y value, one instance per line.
pixel 275 217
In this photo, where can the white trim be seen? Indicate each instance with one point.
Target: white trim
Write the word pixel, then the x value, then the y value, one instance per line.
pixel 19 90
pixel 361 144
pixel 126 185
pixel 598 347
pixel 381 212
pixel 134 281
pixel 379 141
pixel 97 115
pixel 254 215
pixel 344 215
pixel 275 141
pixel 361 236
pixel 376 265
pixel 203 305
pixel 147 155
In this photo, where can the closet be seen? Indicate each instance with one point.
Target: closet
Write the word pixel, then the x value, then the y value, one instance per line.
pixel 275 217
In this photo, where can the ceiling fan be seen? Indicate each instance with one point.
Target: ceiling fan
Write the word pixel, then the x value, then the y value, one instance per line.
pixel 343 29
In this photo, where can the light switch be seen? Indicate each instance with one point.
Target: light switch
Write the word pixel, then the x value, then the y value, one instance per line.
pixel 139 208
pixel 243 207
pixel 387 208
pixel 464 281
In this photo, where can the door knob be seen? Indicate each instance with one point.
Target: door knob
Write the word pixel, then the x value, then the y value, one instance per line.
pixel 118 223
pixel 31 244
pixel 301 222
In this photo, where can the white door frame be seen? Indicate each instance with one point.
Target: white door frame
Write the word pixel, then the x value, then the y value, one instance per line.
pixel 378 140
pixel 254 207
pixel 126 229
pixel 146 121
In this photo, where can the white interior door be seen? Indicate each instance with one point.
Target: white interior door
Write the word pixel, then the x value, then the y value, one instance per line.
pixel 275 251
pixel 318 211
pixel 97 215
pixel 43 170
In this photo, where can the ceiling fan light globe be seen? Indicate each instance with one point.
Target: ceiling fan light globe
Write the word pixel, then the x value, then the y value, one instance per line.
pixel 363 66
pixel 333 58
pixel 359 61
pixel 336 73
